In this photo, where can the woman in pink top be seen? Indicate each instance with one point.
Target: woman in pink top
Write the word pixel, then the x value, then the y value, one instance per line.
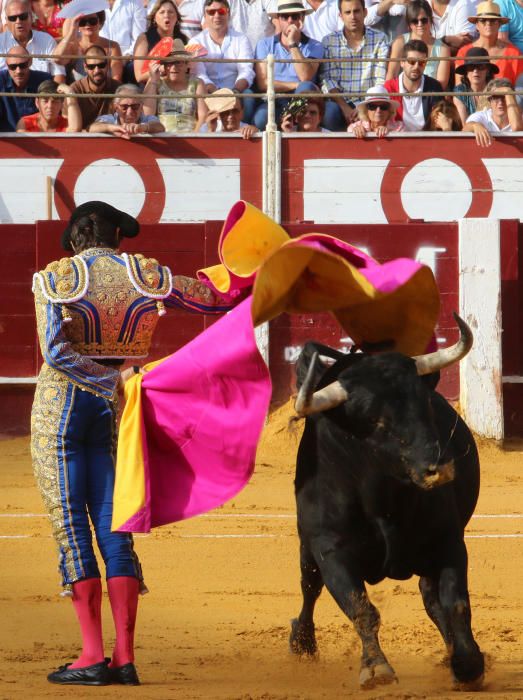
pixel 376 115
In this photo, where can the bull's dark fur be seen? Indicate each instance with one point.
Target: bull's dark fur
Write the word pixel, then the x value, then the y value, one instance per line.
pixel 367 509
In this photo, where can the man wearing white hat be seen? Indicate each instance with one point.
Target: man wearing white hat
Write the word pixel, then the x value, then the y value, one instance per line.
pixel 289 44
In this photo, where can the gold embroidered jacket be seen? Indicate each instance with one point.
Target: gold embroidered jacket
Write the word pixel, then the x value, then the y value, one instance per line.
pixel 105 305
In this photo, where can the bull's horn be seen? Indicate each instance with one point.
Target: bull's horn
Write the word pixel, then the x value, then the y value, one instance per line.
pixel 309 402
pixel 435 361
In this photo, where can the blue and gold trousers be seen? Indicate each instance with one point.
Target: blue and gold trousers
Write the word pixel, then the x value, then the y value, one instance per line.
pixel 73 445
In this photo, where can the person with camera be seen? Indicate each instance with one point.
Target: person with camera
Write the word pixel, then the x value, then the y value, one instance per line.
pixel 304 115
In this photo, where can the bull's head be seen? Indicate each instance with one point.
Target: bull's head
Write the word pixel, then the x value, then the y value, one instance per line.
pixel 309 401
pixel 418 449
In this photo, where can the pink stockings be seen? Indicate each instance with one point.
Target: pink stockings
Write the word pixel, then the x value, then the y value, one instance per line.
pixel 123 594
pixel 87 601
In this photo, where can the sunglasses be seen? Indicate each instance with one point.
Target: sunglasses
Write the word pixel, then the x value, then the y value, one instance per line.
pixel 14 66
pixel 216 11
pixel 22 16
pixel 416 62
pixel 420 20
pixel 294 16
pixel 488 20
pixel 378 105
pixel 88 21
pixel 135 106
pixel 92 66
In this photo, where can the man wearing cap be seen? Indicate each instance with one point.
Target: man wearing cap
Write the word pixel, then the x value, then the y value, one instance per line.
pixel 414 109
pixel 19 32
pixel 221 41
pixel 289 44
pixel 503 114
pixel 369 47
pixel 488 21
pixel 94 311
pixel 225 115
pixel 474 74
pixel 50 104
pixel 128 119
pixel 18 77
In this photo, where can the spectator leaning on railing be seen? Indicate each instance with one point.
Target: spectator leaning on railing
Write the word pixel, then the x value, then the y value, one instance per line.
pixel 414 109
pixel 18 77
pixel 503 114
pixel 96 82
pixel 355 41
pixel 304 115
pixel 19 32
pixel 289 43
pixel 48 118
pixel 376 115
pixel 225 113
pixel 128 119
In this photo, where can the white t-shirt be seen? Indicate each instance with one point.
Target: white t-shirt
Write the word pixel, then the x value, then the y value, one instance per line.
pixel 40 42
pixel 484 117
pixel 124 22
pixel 413 117
pixel 323 21
pixel 250 18
pixel 455 19
pixel 224 75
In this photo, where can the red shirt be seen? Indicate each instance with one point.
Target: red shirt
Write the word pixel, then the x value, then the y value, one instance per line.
pixel 31 123
pixel 509 66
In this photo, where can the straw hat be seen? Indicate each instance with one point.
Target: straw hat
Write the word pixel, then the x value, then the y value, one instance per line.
pixel 178 51
pixel 288 7
pixel 488 10
pixel 223 103
pixel 476 56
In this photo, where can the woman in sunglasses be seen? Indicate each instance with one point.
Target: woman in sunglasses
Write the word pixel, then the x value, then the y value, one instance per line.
pixel 475 73
pixel 419 18
pixel 163 22
pixel 170 78
pixel 80 33
pixel 376 115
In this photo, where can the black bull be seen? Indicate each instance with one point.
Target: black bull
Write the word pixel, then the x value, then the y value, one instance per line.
pixel 385 483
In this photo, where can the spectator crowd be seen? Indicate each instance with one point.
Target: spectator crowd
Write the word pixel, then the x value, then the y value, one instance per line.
pixel 132 67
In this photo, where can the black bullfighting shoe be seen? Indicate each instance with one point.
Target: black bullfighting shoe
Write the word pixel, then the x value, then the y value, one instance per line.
pixel 124 675
pixel 97 674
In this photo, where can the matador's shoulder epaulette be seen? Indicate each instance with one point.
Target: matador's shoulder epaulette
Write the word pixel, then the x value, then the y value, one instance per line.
pixel 148 277
pixel 63 281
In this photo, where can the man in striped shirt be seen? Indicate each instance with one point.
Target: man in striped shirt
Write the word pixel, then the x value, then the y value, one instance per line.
pixel 357 42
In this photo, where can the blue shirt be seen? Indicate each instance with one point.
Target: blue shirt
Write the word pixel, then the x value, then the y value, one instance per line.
pixel 12 109
pixel 514 12
pixel 310 48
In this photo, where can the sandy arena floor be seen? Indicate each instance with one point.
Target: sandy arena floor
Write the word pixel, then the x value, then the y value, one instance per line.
pixel 223 588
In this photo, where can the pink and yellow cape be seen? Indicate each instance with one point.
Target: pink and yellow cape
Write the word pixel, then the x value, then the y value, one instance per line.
pixel 191 423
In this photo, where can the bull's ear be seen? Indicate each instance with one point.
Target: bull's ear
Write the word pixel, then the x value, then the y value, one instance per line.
pixel 436 361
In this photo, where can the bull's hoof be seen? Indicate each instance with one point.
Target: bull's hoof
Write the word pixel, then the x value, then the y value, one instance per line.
pixel 468 671
pixel 469 686
pixel 302 639
pixel 379 674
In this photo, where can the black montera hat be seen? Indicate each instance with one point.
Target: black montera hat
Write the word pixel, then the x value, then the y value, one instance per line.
pixel 128 225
